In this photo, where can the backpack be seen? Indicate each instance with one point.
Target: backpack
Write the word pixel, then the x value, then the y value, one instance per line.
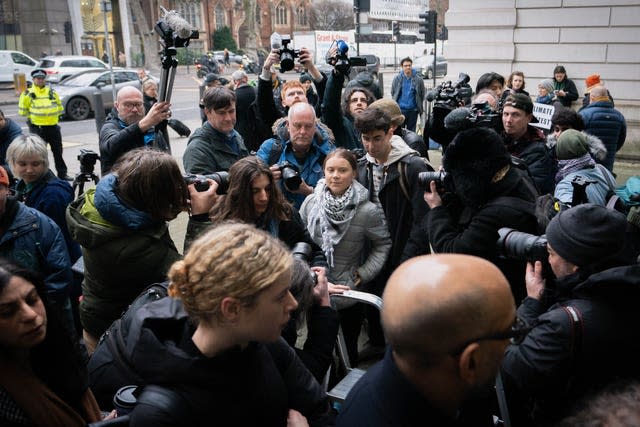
pixel 404 180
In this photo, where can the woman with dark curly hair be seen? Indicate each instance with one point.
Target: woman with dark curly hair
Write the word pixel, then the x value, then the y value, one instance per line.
pixel 255 198
pixel 43 376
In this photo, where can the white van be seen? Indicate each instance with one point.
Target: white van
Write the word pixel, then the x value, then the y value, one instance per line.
pixel 12 61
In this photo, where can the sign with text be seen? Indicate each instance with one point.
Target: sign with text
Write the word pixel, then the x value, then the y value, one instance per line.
pixel 543 113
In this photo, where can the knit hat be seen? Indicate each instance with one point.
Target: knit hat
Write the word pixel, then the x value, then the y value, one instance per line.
pixel 4 177
pixel 304 77
pixel 547 84
pixel 592 80
pixel 521 102
pixel 390 107
pixel 210 78
pixel 587 233
pixel 571 144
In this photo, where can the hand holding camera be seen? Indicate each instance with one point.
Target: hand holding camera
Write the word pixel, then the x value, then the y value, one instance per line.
pixel 535 280
pixel 201 202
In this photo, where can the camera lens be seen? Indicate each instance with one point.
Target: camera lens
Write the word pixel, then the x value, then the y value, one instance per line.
pixel 286 61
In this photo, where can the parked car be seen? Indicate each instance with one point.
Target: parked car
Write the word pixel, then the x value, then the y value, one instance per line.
pixel 60 67
pixel 12 61
pixel 424 66
pixel 76 91
pixel 233 57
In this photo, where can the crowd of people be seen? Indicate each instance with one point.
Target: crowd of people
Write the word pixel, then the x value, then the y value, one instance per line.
pixel 299 191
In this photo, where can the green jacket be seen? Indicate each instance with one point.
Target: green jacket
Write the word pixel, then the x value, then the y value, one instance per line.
pixel 119 262
pixel 210 151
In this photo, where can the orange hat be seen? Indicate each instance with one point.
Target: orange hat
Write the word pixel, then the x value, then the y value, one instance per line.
pixel 4 177
pixel 592 80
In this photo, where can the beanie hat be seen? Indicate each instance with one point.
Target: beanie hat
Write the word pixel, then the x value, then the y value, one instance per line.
pixel 587 233
pixel 4 177
pixel 592 80
pixel 304 77
pixel 571 144
pixel 210 78
pixel 547 84
pixel 390 107
pixel 477 150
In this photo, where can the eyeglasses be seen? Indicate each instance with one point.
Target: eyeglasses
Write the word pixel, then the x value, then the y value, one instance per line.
pixel 515 334
pixel 131 105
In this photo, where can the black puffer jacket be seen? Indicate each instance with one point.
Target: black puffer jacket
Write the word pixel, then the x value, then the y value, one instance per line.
pixel 253 386
pixel 560 361
pixel 474 231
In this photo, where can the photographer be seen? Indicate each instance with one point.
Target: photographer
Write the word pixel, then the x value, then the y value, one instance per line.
pixel 483 192
pixel 339 111
pixel 269 112
pixel 216 145
pixel 299 145
pixel 127 127
pixel 254 198
pixel 585 331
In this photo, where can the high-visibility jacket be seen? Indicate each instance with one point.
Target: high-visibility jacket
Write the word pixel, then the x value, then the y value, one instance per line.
pixel 41 106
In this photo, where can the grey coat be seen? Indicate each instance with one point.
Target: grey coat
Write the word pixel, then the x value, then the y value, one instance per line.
pixel 367 227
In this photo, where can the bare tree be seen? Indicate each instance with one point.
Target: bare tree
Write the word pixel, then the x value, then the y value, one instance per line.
pixel 149 39
pixel 332 15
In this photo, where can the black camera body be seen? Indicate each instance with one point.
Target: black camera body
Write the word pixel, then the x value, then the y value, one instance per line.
pixel 287 56
pixel 452 94
pixel 88 159
pixel 171 38
pixel 482 115
pixel 341 60
pixel 523 246
pixel 290 175
pixel 201 184
pixel 424 178
pixel 303 251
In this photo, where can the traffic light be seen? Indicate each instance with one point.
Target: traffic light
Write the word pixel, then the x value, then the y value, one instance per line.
pixel 428 25
pixel 67 32
pixel 395 25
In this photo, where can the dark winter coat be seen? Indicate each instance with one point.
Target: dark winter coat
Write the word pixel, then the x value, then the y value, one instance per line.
pixel 239 387
pixel 124 251
pixel 474 230
pixel 248 118
pixel 569 87
pixel 559 361
pixel 532 150
pixel 608 124
pixel 340 122
pixel 51 196
pixel 33 240
pixel 403 215
pixel 365 80
pixel 115 140
pixel 208 150
pixel 8 132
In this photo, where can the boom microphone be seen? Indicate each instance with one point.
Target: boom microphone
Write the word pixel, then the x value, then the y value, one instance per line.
pixel 179 25
pixel 456 120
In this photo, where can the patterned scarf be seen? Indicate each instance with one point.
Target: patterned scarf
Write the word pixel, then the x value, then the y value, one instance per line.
pixel 332 220
pixel 566 167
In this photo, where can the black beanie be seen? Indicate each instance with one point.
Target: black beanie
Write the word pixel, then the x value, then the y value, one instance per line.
pixel 587 233
pixel 479 150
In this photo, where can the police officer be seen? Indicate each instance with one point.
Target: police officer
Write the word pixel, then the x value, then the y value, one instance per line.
pixel 42 107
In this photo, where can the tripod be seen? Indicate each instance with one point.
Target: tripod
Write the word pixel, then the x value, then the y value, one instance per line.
pixel 85 175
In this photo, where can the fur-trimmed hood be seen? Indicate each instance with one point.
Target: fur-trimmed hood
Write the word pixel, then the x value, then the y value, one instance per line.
pixel 596 148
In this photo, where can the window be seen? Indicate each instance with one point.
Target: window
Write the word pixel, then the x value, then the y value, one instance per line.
pixel 19 58
pixel 94 64
pixel 302 16
pixel 281 14
pixel 190 11
pixel 220 21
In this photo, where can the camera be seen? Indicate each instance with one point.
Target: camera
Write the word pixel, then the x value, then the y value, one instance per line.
pixel 341 60
pixel 290 175
pixel 424 178
pixel 287 55
pixel 523 246
pixel 175 31
pixel 303 251
pixel 201 184
pixel 88 159
pixel 446 97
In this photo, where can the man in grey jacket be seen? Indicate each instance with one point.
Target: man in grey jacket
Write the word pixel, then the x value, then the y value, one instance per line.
pixel 216 145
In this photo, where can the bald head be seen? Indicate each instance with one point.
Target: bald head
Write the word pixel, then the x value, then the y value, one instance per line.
pixel 128 91
pixel 599 93
pixel 435 303
pixel 129 105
